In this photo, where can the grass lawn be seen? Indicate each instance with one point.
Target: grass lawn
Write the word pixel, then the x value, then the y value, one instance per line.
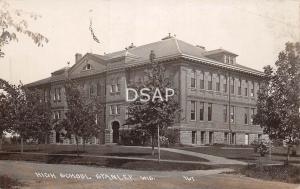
pixel 9 183
pixel 245 154
pixel 105 162
pixel 105 150
pixel 281 173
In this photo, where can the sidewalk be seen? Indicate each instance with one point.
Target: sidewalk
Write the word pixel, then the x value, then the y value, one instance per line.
pixel 213 160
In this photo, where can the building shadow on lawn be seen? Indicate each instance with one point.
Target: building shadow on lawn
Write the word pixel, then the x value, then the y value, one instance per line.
pixel 154 165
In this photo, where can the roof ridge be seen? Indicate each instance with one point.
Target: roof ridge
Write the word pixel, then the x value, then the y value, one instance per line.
pixel 178 48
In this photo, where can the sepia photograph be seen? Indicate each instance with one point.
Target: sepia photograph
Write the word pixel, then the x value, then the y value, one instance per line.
pixel 174 94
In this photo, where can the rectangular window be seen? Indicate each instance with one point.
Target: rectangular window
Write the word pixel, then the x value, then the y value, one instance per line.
pixel 225 138
pixel 59 114
pixel 246 89
pixel 117 109
pixel 240 87
pixel 233 140
pixel 111 110
pixel 113 88
pixel 232 114
pixel 193 111
pixel 246 116
pixel 201 110
pixel 98 89
pixel 46 96
pixel 209 112
pixel 209 82
pixel 231 60
pixel 202 137
pixel 202 80
pixel 91 91
pixel 193 79
pixel 225 113
pixel 252 115
pixel 211 137
pixel 246 139
pixel 225 84
pixel 259 137
pixel 193 137
pixel 226 58
pixel 252 90
pixel 232 85
pixel 58 94
pixel 54 96
pixel 218 82
pixel 117 87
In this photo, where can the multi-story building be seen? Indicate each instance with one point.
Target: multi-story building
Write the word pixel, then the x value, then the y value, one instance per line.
pixel 216 94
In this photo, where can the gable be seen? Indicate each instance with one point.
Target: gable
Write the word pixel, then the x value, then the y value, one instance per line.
pixel 87 65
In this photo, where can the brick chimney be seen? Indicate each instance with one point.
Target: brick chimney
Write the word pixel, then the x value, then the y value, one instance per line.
pixel 78 56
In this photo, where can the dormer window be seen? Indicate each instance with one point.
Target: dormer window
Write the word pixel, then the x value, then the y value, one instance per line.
pixel 231 60
pixel 221 55
pixel 227 58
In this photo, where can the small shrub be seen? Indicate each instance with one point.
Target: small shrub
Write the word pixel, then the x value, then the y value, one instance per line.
pixel 133 137
pixel 261 147
pixel 172 135
pixel 294 150
pixel 164 141
pixel 290 174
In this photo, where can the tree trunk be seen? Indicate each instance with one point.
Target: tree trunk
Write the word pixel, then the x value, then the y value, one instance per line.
pixel 158 144
pixel 288 155
pixel 46 139
pixel 1 141
pixel 77 150
pixel 22 146
pixel 152 142
pixel 84 144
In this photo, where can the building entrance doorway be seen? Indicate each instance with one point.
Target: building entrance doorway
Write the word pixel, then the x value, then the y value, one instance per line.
pixel 115 128
pixel 57 137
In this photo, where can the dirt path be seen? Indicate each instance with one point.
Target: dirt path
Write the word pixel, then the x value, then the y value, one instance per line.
pixel 38 175
pixel 213 160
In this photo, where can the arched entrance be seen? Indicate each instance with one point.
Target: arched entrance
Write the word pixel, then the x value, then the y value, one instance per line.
pixel 115 128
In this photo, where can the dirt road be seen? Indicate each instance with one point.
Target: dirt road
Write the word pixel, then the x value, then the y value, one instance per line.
pixel 38 175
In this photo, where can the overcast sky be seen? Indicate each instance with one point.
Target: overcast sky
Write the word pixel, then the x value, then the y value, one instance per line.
pixel 255 30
